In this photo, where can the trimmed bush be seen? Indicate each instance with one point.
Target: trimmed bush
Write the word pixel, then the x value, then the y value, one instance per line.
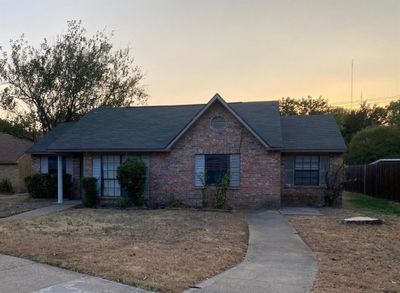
pixel 39 186
pixel 89 198
pixel 132 178
pixel 6 186
pixel 45 185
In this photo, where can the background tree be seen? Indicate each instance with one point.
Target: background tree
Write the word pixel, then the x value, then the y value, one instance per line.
pixel 393 113
pixel 17 128
pixel 303 106
pixel 373 143
pixel 60 82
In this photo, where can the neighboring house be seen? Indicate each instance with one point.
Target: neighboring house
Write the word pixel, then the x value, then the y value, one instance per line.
pixel 15 164
pixel 271 160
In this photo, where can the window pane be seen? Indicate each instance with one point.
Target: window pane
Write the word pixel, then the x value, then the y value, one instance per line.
pixel 216 166
pixel 110 183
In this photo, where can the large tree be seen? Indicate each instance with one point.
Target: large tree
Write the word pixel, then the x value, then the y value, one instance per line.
pixel 60 82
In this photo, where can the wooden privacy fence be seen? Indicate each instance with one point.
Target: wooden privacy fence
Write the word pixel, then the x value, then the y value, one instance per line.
pixel 378 180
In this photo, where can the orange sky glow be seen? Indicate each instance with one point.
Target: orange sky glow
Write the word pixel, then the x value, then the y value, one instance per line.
pixel 244 50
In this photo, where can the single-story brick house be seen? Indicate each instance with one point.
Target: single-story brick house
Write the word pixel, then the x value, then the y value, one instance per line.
pixel 271 160
pixel 15 164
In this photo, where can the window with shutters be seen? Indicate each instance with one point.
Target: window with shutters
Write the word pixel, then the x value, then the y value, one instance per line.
pixel 306 170
pixel 210 169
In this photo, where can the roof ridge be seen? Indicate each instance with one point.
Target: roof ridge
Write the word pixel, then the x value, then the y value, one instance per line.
pixel 182 105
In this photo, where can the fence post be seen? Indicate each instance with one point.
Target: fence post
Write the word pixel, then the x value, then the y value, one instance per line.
pixel 365 179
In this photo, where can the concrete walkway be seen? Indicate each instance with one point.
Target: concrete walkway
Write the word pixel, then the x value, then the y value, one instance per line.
pixel 277 260
pixel 23 276
pixel 43 211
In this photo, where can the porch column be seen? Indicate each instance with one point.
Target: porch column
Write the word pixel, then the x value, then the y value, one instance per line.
pixel 59 180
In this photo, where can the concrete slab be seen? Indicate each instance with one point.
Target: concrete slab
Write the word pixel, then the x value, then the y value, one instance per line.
pixel 43 211
pixel 25 276
pixel 301 211
pixel 277 260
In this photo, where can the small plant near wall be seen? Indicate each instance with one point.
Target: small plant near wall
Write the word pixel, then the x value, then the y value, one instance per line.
pixel 215 194
pixel 131 176
pixel 90 195
pixel 335 181
pixel 221 191
pixel 6 186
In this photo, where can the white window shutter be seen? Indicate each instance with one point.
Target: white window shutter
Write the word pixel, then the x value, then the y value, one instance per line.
pixel 199 171
pixel 289 170
pixel 68 166
pixel 96 169
pixel 323 169
pixel 44 164
pixel 234 172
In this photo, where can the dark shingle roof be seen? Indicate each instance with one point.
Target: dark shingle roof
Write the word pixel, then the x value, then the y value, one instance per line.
pixel 146 128
pixel 12 148
pixel 127 128
pixel 263 118
pixel 157 127
pixel 311 133
pixel 41 146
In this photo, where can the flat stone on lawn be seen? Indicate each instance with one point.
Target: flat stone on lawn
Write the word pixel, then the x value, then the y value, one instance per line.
pixel 363 221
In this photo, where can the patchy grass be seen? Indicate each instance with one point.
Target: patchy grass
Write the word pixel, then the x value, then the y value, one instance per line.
pixel 166 250
pixel 372 204
pixel 354 258
pixel 18 203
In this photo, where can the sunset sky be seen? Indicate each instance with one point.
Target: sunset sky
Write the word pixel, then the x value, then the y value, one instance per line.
pixel 244 50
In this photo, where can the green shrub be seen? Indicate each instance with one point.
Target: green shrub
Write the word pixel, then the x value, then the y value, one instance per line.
pixel 45 185
pixel 373 143
pixel 124 203
pixel 132 178
pixel 221 191
pixel 173 202
pixel 6 186
pixel 39 186
pixel 90 197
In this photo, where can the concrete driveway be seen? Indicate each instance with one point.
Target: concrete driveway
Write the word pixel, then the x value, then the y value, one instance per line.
pixel 277 260
pixel 23 276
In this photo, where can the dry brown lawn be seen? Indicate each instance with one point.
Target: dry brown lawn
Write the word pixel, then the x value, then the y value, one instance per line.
pixel 18 203
pixel 165 250
pixel 353 258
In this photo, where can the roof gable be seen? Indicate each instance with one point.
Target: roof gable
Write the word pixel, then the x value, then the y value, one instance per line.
pixel 12 148
pixel 243 113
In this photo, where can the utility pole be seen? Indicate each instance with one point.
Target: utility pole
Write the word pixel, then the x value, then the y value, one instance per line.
pixel 352 67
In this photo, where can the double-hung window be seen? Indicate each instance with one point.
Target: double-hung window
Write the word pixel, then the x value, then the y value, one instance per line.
pixel 306 170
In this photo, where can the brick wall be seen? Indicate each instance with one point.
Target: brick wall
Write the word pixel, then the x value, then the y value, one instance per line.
pixel 87 165
pixel 35 164
pixel 172 174
pixel 76 178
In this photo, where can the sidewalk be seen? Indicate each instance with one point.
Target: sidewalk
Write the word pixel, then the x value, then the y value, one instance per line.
pixel 277 260
pixel 43 211
pixel 24 276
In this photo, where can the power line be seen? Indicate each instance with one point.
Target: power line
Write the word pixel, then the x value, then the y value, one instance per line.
pixel 376 99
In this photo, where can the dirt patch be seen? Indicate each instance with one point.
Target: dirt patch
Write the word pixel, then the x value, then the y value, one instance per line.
pixel 167 250
pixel 352 258
pixel 19 203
